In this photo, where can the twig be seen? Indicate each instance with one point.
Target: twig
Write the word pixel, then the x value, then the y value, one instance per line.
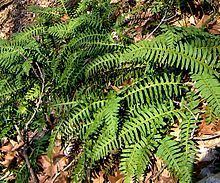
pixel 24 154
pixel 24 137
pixel 19 133
pixel 64 169
pixel 33 174
pixel 39 99
pixel 159 172
pixel 206 138
pixel 170 18
pixel 162 20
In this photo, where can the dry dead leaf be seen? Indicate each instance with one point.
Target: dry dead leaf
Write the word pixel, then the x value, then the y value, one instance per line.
pixel 183 22
pixel 6 148
pixel 118 178
pixel 215 29
pixel 99 179
pixel 192 20
pixel 175 131
pixel 205 129
pixel 138 37
pixel 62 178
pixel 203 21
pixel 41 177
pixel 115 88
pixel 65 18
pixel 8 158
pixel 46 165
pixel 17 146
pixel 9 150
pixel 53 165
pixel 127 82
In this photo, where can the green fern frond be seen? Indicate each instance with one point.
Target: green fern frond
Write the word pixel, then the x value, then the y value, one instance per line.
pixel 79 172
pixel 148 120
pixel 102 64
pixel 180 155
pixel 83 6
pixel 209 87
pixel 111 117
pixel 169 151
pixel 136 157
pixel 104 146
pixel 47 13
pixel 187 128
pixel 184 56
pixel 152 89
pixel 9 57
pixel 52 140
pixel 7 88
pixel 107 116
pixel 23 38
pixel 110 128
pixel 63 31
pixel 85 41
pixel 81 114
pixel 33 93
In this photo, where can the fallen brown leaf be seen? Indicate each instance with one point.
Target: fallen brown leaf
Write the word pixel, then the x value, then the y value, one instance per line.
pixel 203 21
pixel 99 179
pixel 47 166
pixel 215 29
pixel 53 166
pixel 64 18
pixel 6 148
pixel 115 88
pixel 114 1
pixel 118 178
pixel 205 129
pixel 8 158
pixel 62 178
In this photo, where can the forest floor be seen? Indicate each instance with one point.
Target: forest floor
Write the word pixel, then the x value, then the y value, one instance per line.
pixel 14 15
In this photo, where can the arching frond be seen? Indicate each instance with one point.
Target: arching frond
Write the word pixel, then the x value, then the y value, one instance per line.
pixel 183 56
pixel 136 157
pixel 152 89
pixel 209 88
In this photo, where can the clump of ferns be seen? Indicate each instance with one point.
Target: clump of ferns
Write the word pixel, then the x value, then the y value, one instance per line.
pixel 146 99
pixel 80 60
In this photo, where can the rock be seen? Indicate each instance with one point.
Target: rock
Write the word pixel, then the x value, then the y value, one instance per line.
pixel 211 179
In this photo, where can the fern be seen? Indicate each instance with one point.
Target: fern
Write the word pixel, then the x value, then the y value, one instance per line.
pixel 183 56
pixel 145 123
pixel 170 152
pixel 151 90
pixel 209 88
pixel 111 96
pixel 63 31
pixel 81 113
pixel 136 157
pixel 7 88
pixel 48 13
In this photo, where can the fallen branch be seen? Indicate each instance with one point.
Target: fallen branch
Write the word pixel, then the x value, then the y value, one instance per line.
pixel 24 137
pixel 64 169
pixel 207 138
pixel 33 174
pixel 159 172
